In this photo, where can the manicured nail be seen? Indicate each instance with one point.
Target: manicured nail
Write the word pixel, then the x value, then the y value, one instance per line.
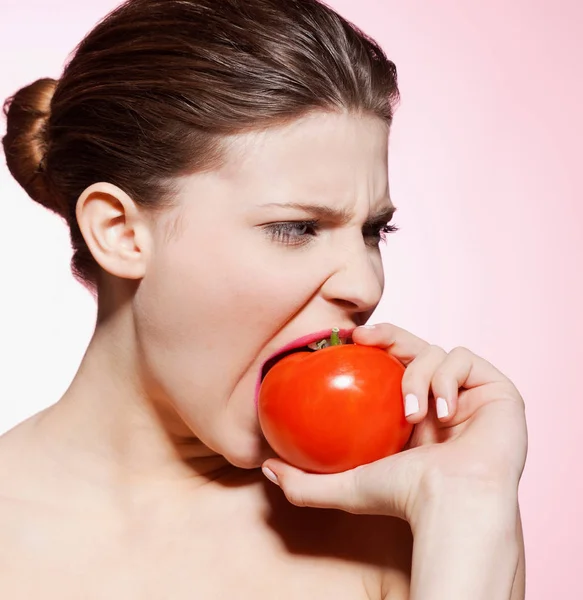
pixel 411 404
pixel 367 326
pixel 270 475
pixel 442 408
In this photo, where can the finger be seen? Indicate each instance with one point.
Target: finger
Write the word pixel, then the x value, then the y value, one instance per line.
pixel 417 380
pixel 461 368
pixel 335 490
pixel 379 488
pixel 400 343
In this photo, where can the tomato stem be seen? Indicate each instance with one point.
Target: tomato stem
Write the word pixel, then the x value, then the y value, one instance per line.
pixel 335 338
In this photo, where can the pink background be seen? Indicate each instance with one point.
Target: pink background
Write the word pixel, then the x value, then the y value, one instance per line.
pixel 482 168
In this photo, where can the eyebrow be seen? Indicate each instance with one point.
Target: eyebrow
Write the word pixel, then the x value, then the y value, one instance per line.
pixel 337 215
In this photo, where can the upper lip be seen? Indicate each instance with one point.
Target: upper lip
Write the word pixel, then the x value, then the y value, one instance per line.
pixel 308 339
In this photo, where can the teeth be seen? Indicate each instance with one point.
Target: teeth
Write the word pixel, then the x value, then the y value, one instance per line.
pixel 319 345
pixel 324 343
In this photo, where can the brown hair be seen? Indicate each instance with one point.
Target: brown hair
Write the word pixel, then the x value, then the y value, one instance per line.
pixel 151 90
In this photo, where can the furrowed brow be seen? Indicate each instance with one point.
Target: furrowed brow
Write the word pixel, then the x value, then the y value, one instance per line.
pixel 382 216
pixel 336 215
pixel 320 211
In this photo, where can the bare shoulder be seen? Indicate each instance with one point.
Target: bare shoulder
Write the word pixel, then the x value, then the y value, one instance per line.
pixel 25 482
pixel 334 553
pixel 13 457
pixel 17 456
pixel 18 466
pixel 17 508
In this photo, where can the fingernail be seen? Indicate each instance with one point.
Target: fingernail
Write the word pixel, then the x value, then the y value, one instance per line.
pixel 270 475
pixel 442 408
pixel 411 404
pixel 367 326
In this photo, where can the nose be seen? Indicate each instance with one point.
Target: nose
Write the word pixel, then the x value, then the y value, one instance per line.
pixel 357 281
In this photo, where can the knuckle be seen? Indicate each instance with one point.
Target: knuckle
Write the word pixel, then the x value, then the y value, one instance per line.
pixel 438 355
pixel 435 349
pixel 461 350
pixel 295 496
pixel 425 367
pixel 387 329
pixel 430 351
pixel 519 400
pixel 427 357
pixel 509 392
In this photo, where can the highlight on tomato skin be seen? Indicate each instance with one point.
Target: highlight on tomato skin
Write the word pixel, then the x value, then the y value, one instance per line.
pixel 334 409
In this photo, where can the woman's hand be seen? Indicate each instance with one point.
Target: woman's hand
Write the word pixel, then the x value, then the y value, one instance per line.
pixel 470 428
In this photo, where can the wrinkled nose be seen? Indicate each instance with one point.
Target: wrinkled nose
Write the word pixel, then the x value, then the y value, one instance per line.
pixel 357 283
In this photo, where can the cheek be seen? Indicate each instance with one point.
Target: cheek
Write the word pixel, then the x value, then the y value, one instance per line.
pixel 205 310
pixel 204 313
pixel 245 284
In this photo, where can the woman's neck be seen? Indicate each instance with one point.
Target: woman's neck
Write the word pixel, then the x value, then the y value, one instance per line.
pixel 109 429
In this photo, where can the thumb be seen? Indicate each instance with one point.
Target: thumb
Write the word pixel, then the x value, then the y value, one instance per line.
pixel 336 490
pixel 383 487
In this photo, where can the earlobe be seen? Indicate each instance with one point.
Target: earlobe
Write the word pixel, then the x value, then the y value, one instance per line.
pixel 114 230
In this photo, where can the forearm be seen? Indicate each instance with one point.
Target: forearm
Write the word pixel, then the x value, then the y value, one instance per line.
pixel 467 545
pixel 519 586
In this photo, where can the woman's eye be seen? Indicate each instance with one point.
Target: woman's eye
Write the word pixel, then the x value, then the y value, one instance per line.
pixel 299 233
pixel 293 233
pixel 378 233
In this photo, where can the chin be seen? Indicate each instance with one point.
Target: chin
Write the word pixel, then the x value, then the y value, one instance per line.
pixel 247 451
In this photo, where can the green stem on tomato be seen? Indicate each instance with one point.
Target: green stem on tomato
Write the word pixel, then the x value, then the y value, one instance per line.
pixel 335 338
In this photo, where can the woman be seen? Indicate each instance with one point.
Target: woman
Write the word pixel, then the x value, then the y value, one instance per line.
pixel 222 166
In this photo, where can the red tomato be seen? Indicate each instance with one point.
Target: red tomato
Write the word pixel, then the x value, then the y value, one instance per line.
pixel 334 409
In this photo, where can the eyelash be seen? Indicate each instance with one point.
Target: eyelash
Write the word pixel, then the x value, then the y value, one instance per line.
pixel 281 232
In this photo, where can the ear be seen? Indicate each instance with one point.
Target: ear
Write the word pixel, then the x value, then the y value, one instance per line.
pixel 115 230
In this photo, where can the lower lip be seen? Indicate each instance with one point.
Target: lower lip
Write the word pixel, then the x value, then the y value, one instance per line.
pixel 308 339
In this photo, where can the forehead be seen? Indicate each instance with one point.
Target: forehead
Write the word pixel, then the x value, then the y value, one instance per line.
pixel 321 151
pixel 339 160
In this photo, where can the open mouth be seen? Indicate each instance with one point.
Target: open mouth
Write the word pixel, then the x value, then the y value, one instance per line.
pixel 309 343
pixel 312 347
pixel 275 359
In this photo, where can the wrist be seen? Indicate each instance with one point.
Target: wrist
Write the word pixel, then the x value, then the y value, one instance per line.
pixel 466 497
pixel 465 542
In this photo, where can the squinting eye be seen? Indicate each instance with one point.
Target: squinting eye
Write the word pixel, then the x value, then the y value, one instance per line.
pixel 299 233
pixel 293 233
pixel 377 233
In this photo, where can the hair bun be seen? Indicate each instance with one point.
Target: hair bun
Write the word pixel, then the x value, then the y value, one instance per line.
pixel 25 143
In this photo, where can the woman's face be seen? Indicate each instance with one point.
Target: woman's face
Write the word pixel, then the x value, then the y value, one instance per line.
pixel 243 274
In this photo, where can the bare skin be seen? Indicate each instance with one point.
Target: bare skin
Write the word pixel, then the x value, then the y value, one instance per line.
pixel 69 535
pixel 143 481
